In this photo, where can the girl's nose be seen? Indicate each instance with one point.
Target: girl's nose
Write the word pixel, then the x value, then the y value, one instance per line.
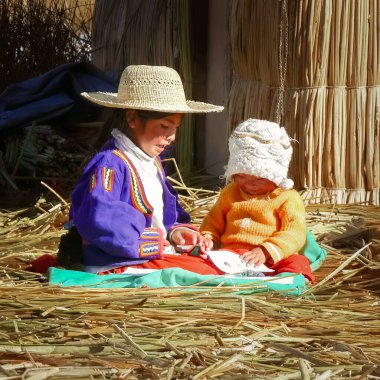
pixel 170 137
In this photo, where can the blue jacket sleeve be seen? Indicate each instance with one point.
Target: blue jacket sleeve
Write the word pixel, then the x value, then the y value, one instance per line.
pixel 105 217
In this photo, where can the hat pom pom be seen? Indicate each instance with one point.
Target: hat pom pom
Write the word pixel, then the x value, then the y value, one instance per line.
pixel 286 184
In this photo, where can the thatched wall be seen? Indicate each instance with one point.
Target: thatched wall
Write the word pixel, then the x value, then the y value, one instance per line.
pixel 314 67
pixel 311 65
pixel 148 32
pixel 37 36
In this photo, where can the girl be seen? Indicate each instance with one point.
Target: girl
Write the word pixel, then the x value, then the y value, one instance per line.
pixel 124 212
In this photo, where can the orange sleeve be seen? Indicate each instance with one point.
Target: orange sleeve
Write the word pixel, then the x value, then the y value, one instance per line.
pixel 214 222
pixel 292 235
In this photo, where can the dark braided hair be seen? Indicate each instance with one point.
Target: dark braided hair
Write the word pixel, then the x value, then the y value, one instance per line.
pixel 70 254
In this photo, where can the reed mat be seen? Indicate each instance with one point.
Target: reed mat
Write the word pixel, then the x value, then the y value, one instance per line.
pixel 331 331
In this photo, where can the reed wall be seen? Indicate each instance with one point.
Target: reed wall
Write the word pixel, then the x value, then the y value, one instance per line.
pixel 147 32
pixel 313 66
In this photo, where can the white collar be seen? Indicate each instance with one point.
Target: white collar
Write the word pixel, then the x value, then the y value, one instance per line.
pixel 125 144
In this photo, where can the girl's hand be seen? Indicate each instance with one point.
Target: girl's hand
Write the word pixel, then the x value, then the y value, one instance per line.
pixel 186 236
pixel 256 256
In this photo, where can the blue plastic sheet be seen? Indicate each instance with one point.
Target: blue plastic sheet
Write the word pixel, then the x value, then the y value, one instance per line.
pixel 52 94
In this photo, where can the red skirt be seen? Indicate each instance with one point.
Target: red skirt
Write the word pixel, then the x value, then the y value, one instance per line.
pixel 296 263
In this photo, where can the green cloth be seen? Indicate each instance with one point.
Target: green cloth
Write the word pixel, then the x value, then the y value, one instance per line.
pixel 313 251
pixel 176 277
pixel 172 277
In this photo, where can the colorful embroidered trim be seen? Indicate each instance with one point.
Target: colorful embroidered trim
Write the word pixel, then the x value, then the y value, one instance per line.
pixel 150 233
pixel 139 200
pixel 148 249
pixel 93 180
pixel 107 178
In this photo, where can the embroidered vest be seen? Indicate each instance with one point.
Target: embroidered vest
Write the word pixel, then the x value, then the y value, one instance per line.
pixel 139 199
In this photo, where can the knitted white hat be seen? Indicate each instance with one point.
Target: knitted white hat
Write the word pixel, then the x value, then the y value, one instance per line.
pixel 261 148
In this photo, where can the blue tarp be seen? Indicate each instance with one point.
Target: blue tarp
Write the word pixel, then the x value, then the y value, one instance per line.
pixel 52 94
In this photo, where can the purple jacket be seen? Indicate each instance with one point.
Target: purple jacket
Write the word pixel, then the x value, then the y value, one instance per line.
pixel 112 214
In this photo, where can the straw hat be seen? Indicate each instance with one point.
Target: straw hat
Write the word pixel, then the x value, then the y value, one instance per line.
pixel 261 148
pixel 151 88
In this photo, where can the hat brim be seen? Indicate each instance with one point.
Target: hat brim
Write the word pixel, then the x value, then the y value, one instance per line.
pixel 107 99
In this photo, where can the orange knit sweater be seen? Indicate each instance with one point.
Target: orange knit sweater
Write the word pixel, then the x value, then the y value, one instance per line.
pixel 275 221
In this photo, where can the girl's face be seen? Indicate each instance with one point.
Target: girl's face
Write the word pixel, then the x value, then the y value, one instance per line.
pixel 153 135
pixel 253 185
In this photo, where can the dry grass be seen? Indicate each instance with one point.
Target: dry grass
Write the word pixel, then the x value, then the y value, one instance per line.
pixel 38 35
pixel 331 331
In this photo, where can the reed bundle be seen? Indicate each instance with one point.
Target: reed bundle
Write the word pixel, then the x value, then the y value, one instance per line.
pixel 321 57
pixel 39 151
pixel 149 32
pixel 132 32
pixel 51 153
pixel 38 35
pixel 202 332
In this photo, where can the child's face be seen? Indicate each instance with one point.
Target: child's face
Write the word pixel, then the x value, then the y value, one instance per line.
pixel 253 185
pixel 153 135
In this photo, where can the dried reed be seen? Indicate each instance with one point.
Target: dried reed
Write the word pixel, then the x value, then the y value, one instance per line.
pixel 150 32
pixel 39 35
pixel 209 332
pixel 331 90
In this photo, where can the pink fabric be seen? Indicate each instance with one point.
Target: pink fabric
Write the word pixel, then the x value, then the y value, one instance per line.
pixel 184 261
pixel 43 263
pixel 296 263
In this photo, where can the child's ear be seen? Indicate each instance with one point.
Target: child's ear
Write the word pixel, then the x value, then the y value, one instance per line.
pixel 131 118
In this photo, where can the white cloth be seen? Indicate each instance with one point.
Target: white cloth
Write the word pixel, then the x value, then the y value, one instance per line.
pixel 149 175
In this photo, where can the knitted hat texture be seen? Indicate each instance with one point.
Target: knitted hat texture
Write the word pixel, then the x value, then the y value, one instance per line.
pixel 260 148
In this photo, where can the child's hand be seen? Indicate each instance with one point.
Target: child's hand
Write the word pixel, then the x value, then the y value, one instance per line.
pixel 205 245
pixel 208 243
pixel 186 236
pixel 256 257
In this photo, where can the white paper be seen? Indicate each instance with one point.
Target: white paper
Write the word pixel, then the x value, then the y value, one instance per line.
pixel 230 263
pixel 169 250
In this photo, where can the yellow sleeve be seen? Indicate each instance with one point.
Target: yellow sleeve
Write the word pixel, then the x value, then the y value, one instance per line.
pixel 292 235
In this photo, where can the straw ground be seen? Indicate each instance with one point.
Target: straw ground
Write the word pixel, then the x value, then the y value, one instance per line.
pixel 329 332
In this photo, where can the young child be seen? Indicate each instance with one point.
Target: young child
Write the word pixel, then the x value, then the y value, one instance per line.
pixel 258 214
pixel 124 212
